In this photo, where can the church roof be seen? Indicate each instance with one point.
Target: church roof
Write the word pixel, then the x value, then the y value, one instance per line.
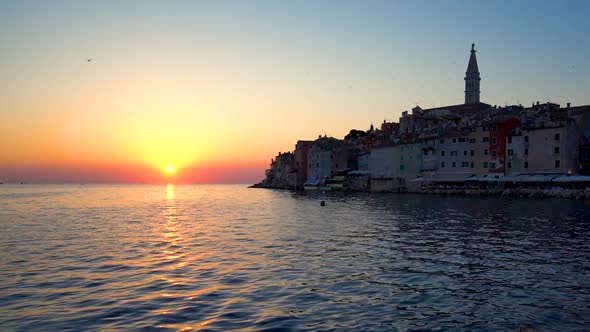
pixel 461 108
pixel 472 67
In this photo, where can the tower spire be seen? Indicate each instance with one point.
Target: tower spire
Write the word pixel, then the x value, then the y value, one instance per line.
pixel 472 79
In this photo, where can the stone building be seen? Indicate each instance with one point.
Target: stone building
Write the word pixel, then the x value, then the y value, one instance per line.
pixel 472 79
pixel 381 168
pixel 328 155
pixel 544 150
pixel 454 157
pixel 301 152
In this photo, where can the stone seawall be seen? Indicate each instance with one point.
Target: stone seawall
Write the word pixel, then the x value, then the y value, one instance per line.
pixel 555 192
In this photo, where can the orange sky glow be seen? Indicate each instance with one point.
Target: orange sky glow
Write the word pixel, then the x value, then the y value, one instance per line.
pixel 112 91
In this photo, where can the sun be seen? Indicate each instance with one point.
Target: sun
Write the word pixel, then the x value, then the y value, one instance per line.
pixel 170 169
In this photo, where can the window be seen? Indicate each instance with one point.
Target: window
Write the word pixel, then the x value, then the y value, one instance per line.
pixel 494 127
pixel 454 140
pixel 493 166
pixel 442 141
pixel 510 152
pixel 485 164
pixel 526 139
pixel 317 165
pixel 509 164
pixel 486 139
pixel 336 165
pixel 556 149
pixel 484 128
pixel 454 164
pixel 494 153
pixel 401 167
pixel 557 137
pixel 485 152
pixel 442 164
pixel 557 164
pixel 509 139
pixel 526 164
pixel 526 152
pixel 453 153
pixel 472 140
pixel 442 153
pixel 494 140
pixel 471 165
pixel 472 153
pixel 465 152
pixel 464 164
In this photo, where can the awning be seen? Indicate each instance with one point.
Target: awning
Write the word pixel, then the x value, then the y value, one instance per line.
pixel 571 178
pixel 451 177
pixel 357 172
pixel 312 182
pixel 534 178
pixel 487 178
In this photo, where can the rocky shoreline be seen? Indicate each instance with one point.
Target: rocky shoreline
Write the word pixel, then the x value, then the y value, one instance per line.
pixel 522 192
pixel 555 192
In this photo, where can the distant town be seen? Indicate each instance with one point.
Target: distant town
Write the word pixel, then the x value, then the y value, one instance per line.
pixel 538 150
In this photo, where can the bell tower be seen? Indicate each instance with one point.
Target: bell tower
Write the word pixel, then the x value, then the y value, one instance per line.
pixel 472 79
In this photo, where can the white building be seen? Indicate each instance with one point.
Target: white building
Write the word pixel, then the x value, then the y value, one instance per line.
pixel 455 156
pixel 544 150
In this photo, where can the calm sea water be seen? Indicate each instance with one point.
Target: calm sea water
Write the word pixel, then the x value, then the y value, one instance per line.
pixel 228 257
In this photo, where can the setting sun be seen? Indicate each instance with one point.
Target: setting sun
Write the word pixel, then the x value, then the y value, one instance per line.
pixel 170 169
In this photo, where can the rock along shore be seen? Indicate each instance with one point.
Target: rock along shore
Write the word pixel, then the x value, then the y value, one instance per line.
pixel 554 192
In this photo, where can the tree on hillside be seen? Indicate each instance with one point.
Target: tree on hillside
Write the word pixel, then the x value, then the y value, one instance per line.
pixel 355 133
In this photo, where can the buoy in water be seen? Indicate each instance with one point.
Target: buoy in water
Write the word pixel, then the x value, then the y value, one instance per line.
pixel 323 203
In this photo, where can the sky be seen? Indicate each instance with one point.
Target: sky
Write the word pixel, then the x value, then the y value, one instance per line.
pixel 217 88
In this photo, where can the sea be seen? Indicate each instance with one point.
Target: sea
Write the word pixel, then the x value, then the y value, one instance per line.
pixel 226 257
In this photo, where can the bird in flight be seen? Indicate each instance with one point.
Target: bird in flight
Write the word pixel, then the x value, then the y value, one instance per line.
pixel 88 60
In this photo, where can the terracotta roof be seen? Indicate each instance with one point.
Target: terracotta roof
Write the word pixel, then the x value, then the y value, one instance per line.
pixel 455 134
pixel 463 108
pixel 578 109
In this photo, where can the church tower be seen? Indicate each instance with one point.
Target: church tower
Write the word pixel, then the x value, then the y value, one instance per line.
pixel 472 79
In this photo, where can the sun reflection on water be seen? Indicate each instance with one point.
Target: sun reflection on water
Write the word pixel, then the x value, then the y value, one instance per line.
pixel 174 248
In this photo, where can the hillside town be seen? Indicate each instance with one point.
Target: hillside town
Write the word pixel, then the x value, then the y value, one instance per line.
pixel 542 149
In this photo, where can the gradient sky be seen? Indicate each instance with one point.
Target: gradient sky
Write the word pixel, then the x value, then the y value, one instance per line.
pixel 216 88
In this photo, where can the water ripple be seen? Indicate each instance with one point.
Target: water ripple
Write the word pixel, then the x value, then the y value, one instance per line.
pixel 210 258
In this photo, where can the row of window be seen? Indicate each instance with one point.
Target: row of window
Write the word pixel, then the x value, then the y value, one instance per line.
pixel 317 165
pixel 454 164
pixel 472 140
pixel 557 164
pixel 487 139
pixel 510 152
pixel 471 153
pixel 465 164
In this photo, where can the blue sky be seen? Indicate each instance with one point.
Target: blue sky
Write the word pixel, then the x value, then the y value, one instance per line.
pixel 528 50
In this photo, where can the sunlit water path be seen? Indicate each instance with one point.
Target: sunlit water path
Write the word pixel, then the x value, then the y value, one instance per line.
pixel 227 257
